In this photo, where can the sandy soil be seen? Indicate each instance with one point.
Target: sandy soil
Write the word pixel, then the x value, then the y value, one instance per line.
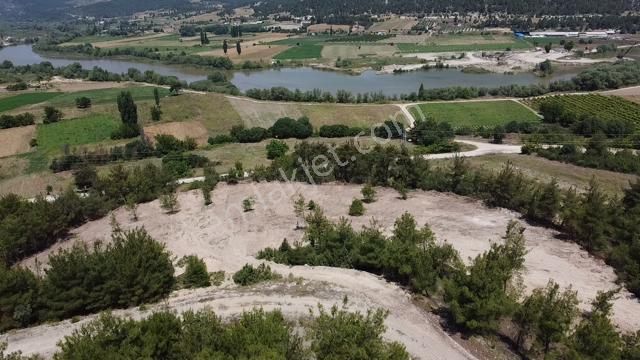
pixel 16 140
pixel 74 85
pixel 181 130
pixel 517 61
pixel 394 24
pixel 226 237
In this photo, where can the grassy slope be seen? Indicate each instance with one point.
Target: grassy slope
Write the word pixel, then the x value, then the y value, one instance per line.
pixel 14 102
pixel 103 96
pixel 567 175
pixel 474 114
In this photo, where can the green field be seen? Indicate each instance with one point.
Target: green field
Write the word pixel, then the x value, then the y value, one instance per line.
pixel 81 131
pixel 102 96
pixel 475 114
pixel 307 51
pixel 14 102
pixel 414 48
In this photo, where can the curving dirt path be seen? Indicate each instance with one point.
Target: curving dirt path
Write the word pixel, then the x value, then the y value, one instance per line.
pixel 227 238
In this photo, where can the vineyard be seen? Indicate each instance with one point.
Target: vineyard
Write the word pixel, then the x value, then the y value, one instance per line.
pixel 603 107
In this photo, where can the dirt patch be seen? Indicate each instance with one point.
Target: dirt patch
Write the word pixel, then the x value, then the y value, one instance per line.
pixel 227 238
pixel 75 85
pixel 630 93
pixel 401 24
pixel 319 28
pixel 16 140
pixel 263 113
pixel 250 51
pixel 31 185
pixel 181 130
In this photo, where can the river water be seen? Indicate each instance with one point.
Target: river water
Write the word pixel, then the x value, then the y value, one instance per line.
pixel 303 78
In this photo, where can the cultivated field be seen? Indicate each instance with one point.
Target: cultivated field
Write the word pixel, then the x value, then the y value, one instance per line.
pixel 476 113
pixel 355 51
pixel 493 46
pixel 17 101
pixel 16 140
pixel 306 51
pixel 604 107
pixel 181 130
pixel 631 93
pixel 251 52
pixel 258 113
pixel 397 24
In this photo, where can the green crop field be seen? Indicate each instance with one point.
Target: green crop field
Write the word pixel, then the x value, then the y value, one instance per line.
pixel 413 48
pixel 476 113
pixel 603 107
pixel 301 52
pixel 102 96
pixel 81 131
pixel 14 102
pixel 304 40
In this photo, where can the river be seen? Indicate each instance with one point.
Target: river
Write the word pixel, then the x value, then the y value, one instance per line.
pixel 303 78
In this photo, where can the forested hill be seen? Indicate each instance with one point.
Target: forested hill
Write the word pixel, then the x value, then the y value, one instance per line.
pixel 55 9
pixel 322 8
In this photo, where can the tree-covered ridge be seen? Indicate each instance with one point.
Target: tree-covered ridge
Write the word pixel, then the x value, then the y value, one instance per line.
pixel 338 8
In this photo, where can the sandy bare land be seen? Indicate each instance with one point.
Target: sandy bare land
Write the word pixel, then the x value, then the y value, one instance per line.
pixel 181 130
pixel 631 93
pixel 16 140
pixel 227 238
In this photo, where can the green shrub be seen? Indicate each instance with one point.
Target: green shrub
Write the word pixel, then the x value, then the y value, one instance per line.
pixel 276 149
pixel 195 274
pixel 356 208
pixel 250 275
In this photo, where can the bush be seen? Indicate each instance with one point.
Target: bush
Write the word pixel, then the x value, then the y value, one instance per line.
pixel 166 144
pixel 252 135
pixel 286 128
pixel 356 208
pixel 368 194
pixel 195 274
pixel 156 113
pixel 51 115
pixel 10 121
pixel 18 86
pixel 126 131
pixel 169 203
pixel 220 139
pixel 249 275
pixel 337 131
pixel 83 102
pixel 276 149
pixel 247 204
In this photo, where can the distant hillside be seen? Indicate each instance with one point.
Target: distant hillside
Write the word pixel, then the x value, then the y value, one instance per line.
pixel 323 8
pixel 59 9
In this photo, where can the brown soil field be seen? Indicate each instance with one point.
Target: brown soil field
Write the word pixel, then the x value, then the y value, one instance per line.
pixel 250 51
pixel 259 113
pixel 630 93
pixel 16 140
pixel 318 28
pixel 30 185
pixel 226 237
pixel 181 130
pixel 355 51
